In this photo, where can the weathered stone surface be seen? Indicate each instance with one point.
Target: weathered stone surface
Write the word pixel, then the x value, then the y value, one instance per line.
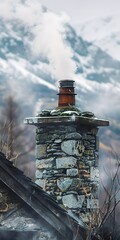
pixel 85 216
pixel 73 147
pixel 94 174
pixel 91 162
pixel 59 153
pixel 41 137
pixel 96 155
pixel 71 192
pixel 40 130
pixel 88 152
pixel 94 131
pixel 59 198
pixel 66 162
pixel 67 165
pixel 73 201
pixel 41 150
pixel 45 163
pixel 51 150
pixel 50 173
pixel 92 203
pixel 72 172
pixel 83 166
pixel 39 173
pixel 86 143
pixel 71 128
pixel 58 140
pixel 73 136
pixel 97 143
pixel 41 183
pixel 64 184
pixel 56 136
pixel 54 146
pixel 76 184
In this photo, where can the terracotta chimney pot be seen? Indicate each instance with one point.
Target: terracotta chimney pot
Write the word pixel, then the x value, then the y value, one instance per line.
pixel 66 93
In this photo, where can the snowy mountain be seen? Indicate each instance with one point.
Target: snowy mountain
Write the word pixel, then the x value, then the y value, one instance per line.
pixel 38 48
pixel 105 33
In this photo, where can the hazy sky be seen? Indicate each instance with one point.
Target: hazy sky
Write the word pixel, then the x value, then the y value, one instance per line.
pixel 84 10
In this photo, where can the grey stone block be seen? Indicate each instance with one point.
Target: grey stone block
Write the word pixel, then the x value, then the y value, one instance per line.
pixel 73 136
pixel 58 140
pixel 40 150
pixel 64 183
pixel 41 183
pixel 39 173
pixel 94 174
pixel 73 201
pixel 72 172
pixel 73 147
pixel 45 163
pixel 66 162
pixel 92 203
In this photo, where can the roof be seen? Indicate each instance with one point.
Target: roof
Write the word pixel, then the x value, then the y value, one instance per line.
pixel 40 202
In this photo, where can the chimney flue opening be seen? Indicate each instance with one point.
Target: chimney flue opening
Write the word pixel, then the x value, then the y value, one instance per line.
pixel 66 93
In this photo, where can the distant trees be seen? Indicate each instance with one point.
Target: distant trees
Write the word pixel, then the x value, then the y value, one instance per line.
pixel 8 128
pixel 109 214
pixel 13 141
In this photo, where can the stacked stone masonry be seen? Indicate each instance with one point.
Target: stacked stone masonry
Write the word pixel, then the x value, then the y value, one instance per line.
pixel 67 165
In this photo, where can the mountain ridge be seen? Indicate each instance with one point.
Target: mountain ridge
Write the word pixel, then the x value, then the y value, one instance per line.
pixel 105 33
pixel 35 55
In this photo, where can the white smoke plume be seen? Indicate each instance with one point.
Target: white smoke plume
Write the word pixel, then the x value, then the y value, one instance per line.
pixel 48 33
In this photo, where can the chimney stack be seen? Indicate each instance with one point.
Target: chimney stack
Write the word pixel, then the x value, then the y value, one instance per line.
pixel 66 93
pixel 67 150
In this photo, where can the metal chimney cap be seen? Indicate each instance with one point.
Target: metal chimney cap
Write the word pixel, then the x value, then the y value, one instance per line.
pixel 66 93
pixel 66 83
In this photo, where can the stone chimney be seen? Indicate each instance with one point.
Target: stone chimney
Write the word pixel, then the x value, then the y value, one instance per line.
pixel 67 150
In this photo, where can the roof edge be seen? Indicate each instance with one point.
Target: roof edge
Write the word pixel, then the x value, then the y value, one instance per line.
pixel 93 121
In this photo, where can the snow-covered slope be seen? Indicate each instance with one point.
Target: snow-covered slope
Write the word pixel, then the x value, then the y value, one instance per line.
pixel 105 33
pixel 38 48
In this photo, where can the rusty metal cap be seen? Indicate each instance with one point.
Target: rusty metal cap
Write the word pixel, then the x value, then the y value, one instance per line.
pixel 66 93
pixel 66 83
